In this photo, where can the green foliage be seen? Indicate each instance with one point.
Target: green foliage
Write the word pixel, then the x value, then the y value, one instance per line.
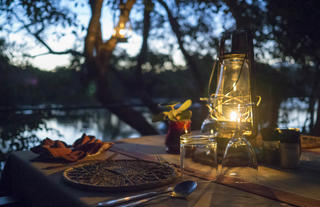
pixel 30 87
pixel 16 130
pixel 161 75
pixel 295 29
pixel 274 86
pixel 292 27
pixel 38 12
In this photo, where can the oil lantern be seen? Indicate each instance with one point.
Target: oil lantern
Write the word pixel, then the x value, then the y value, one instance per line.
pixel 231 100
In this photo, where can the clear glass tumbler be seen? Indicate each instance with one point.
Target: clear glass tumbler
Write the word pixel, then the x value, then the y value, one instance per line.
pixel 198 155
pixel 239 161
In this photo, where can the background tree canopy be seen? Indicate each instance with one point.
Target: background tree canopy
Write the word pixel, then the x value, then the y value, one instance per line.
pixel 179 41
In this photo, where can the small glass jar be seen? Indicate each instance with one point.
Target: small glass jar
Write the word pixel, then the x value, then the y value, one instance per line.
pixel 290 148
pixel 198 153
pixel 176 129
pixel 271 146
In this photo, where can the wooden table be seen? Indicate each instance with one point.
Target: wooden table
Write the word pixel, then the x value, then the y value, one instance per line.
pixel 41 183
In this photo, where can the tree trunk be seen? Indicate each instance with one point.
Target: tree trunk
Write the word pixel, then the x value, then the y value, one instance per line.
pixel 311 110
pixel 98 55
pixel 274 113
pixel 237 8
pixel 126 114
pixel 140 86
pixel 190 61
pixel 316 128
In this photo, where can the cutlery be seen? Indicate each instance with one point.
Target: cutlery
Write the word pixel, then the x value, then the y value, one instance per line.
pixel 180 190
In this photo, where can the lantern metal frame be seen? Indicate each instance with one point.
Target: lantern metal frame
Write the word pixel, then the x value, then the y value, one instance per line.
pixel 243 50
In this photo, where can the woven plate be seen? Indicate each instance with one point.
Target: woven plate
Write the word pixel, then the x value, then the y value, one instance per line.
pixel 120 175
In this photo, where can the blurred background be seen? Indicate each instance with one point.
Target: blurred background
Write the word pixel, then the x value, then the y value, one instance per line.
pixel 103 67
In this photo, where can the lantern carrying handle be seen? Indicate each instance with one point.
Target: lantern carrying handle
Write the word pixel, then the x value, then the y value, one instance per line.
pixel 258 101
pixel 211 77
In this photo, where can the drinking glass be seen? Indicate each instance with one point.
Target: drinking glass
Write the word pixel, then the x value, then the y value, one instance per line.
pixel 239 160
pixel 198 155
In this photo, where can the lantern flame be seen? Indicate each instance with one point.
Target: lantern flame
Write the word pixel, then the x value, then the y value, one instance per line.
pixel 233 116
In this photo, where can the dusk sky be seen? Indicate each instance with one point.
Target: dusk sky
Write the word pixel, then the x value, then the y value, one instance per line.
pixel 49 62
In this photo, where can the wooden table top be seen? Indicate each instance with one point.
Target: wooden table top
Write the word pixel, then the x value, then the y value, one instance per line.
pixel 41 183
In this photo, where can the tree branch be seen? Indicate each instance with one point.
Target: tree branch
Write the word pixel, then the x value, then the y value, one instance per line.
pixel 37 36
pixel 93 29
pixel 98 56
pixel 144 47
pixel 141 88
pixel 191 63
pixel 123 19
pixel 236 11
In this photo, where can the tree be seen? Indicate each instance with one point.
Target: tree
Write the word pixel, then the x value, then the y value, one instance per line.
pixel 294 26
pixel 98 54
pixel 40 15
pixel 191 23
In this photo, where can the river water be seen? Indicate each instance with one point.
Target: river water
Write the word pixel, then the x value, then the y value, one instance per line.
pixel 69 125
pixel 293 113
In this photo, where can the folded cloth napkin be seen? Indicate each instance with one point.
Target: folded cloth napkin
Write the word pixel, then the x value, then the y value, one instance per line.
pixel 59 150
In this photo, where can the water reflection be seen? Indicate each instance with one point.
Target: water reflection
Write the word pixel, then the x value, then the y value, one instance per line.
pixel 70 125
pixel 293 113
pixel 65 125
pixel 28 127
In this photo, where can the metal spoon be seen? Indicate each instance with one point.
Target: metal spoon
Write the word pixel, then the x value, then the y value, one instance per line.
pixel 182 189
